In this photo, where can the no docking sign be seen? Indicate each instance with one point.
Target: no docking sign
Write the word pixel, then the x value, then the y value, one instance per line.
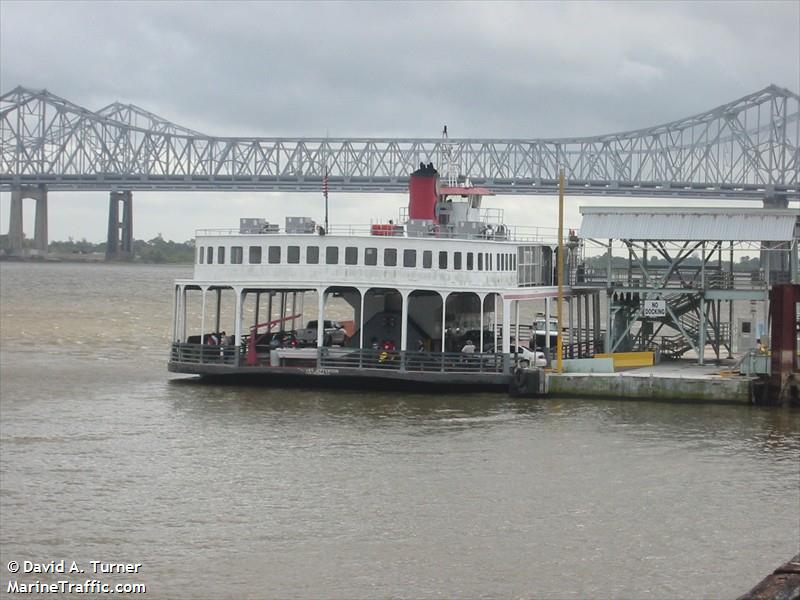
pixel 654 309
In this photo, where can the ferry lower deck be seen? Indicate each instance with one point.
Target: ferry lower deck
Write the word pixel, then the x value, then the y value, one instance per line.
pixel 437 337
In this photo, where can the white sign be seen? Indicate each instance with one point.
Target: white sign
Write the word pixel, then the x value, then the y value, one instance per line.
pixel 653 309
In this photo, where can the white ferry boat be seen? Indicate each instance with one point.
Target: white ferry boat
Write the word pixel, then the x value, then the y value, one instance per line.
pixel 433 298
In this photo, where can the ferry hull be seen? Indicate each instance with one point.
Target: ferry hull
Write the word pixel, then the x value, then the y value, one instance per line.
pixel 344 377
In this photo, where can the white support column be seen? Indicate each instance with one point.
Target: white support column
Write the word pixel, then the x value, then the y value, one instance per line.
pixel 294 309
pixel 444 313
pixel 506 326
pixel 203 316
pixel 404 321
pixel 237 323
pixel 282 323
pixel 175 298
pixel 480 328
pixel 320 316
pixel 269 311
pixel 547 326
pixel 183 314
pixel 517 342
pixel 363 294
pixel 219 309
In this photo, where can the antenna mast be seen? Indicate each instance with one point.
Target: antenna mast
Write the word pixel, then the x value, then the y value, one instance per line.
pixel 449 159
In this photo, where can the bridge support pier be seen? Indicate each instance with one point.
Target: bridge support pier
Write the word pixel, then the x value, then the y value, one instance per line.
pixel 119 244
pixel 15 230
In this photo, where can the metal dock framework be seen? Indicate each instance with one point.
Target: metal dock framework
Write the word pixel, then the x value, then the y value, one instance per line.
pixel 671 287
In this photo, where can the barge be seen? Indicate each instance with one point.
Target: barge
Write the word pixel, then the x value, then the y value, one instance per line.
pixel 440 297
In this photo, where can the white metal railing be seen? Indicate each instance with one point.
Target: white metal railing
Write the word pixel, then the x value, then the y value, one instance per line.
pixel 532 234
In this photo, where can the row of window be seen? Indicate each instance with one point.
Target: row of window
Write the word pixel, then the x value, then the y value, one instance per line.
pixel 470 261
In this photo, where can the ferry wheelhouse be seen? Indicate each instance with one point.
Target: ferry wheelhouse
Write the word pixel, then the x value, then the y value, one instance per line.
pixel 402 301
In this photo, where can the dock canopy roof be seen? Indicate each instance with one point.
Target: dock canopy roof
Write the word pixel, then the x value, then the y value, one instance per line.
pixel 687 224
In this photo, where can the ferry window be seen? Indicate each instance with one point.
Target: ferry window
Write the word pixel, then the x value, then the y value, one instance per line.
pixel 332 255
pixel 513 262
pixel 221 255
pixel 255 255
pixel 427 259
pixel 390 257
pixel 237 255
pixel 457 260
pixel 469 261
pixel 201 255
pixel 312 255
pixel 370 256
pixel 274 255
pixel 210 255
pixel 409 258
pixel 351 255
pixel 442 260
pixel 489 259
pixel 480 261
pixel 293 255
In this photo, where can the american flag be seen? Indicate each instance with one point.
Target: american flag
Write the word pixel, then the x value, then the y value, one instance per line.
pixel 325 184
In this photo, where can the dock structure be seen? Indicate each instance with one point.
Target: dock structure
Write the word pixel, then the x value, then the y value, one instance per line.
pixel 674 287
pixel 681 381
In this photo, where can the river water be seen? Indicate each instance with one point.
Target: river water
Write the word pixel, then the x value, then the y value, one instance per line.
pixel 232 492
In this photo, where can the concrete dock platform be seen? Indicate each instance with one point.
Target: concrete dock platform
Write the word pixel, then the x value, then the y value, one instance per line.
pixel 673 381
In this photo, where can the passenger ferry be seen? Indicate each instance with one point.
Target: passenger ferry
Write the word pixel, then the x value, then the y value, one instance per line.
pixel 435 297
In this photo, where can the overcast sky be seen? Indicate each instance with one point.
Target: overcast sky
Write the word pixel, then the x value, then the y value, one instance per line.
pixel 383 69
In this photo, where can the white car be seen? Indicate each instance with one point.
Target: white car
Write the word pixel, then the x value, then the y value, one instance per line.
pixel 525 357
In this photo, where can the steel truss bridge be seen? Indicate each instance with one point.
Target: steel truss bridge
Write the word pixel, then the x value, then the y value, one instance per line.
pixel 746 149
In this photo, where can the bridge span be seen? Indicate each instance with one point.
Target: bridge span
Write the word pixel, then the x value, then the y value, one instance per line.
pixel 747 149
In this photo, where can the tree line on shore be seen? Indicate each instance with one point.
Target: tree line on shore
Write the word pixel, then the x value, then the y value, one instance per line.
pixel 155 250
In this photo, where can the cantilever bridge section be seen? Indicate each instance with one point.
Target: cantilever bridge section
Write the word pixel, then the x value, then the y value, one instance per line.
pixel 745 149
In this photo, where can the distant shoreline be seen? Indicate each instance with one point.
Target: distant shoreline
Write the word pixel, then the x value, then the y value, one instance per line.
pixel 82 259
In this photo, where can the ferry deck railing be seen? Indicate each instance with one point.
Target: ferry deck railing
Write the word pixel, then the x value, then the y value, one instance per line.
pixel 410 361
pixel 511 233
pixel 205 354
pixel 349 358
